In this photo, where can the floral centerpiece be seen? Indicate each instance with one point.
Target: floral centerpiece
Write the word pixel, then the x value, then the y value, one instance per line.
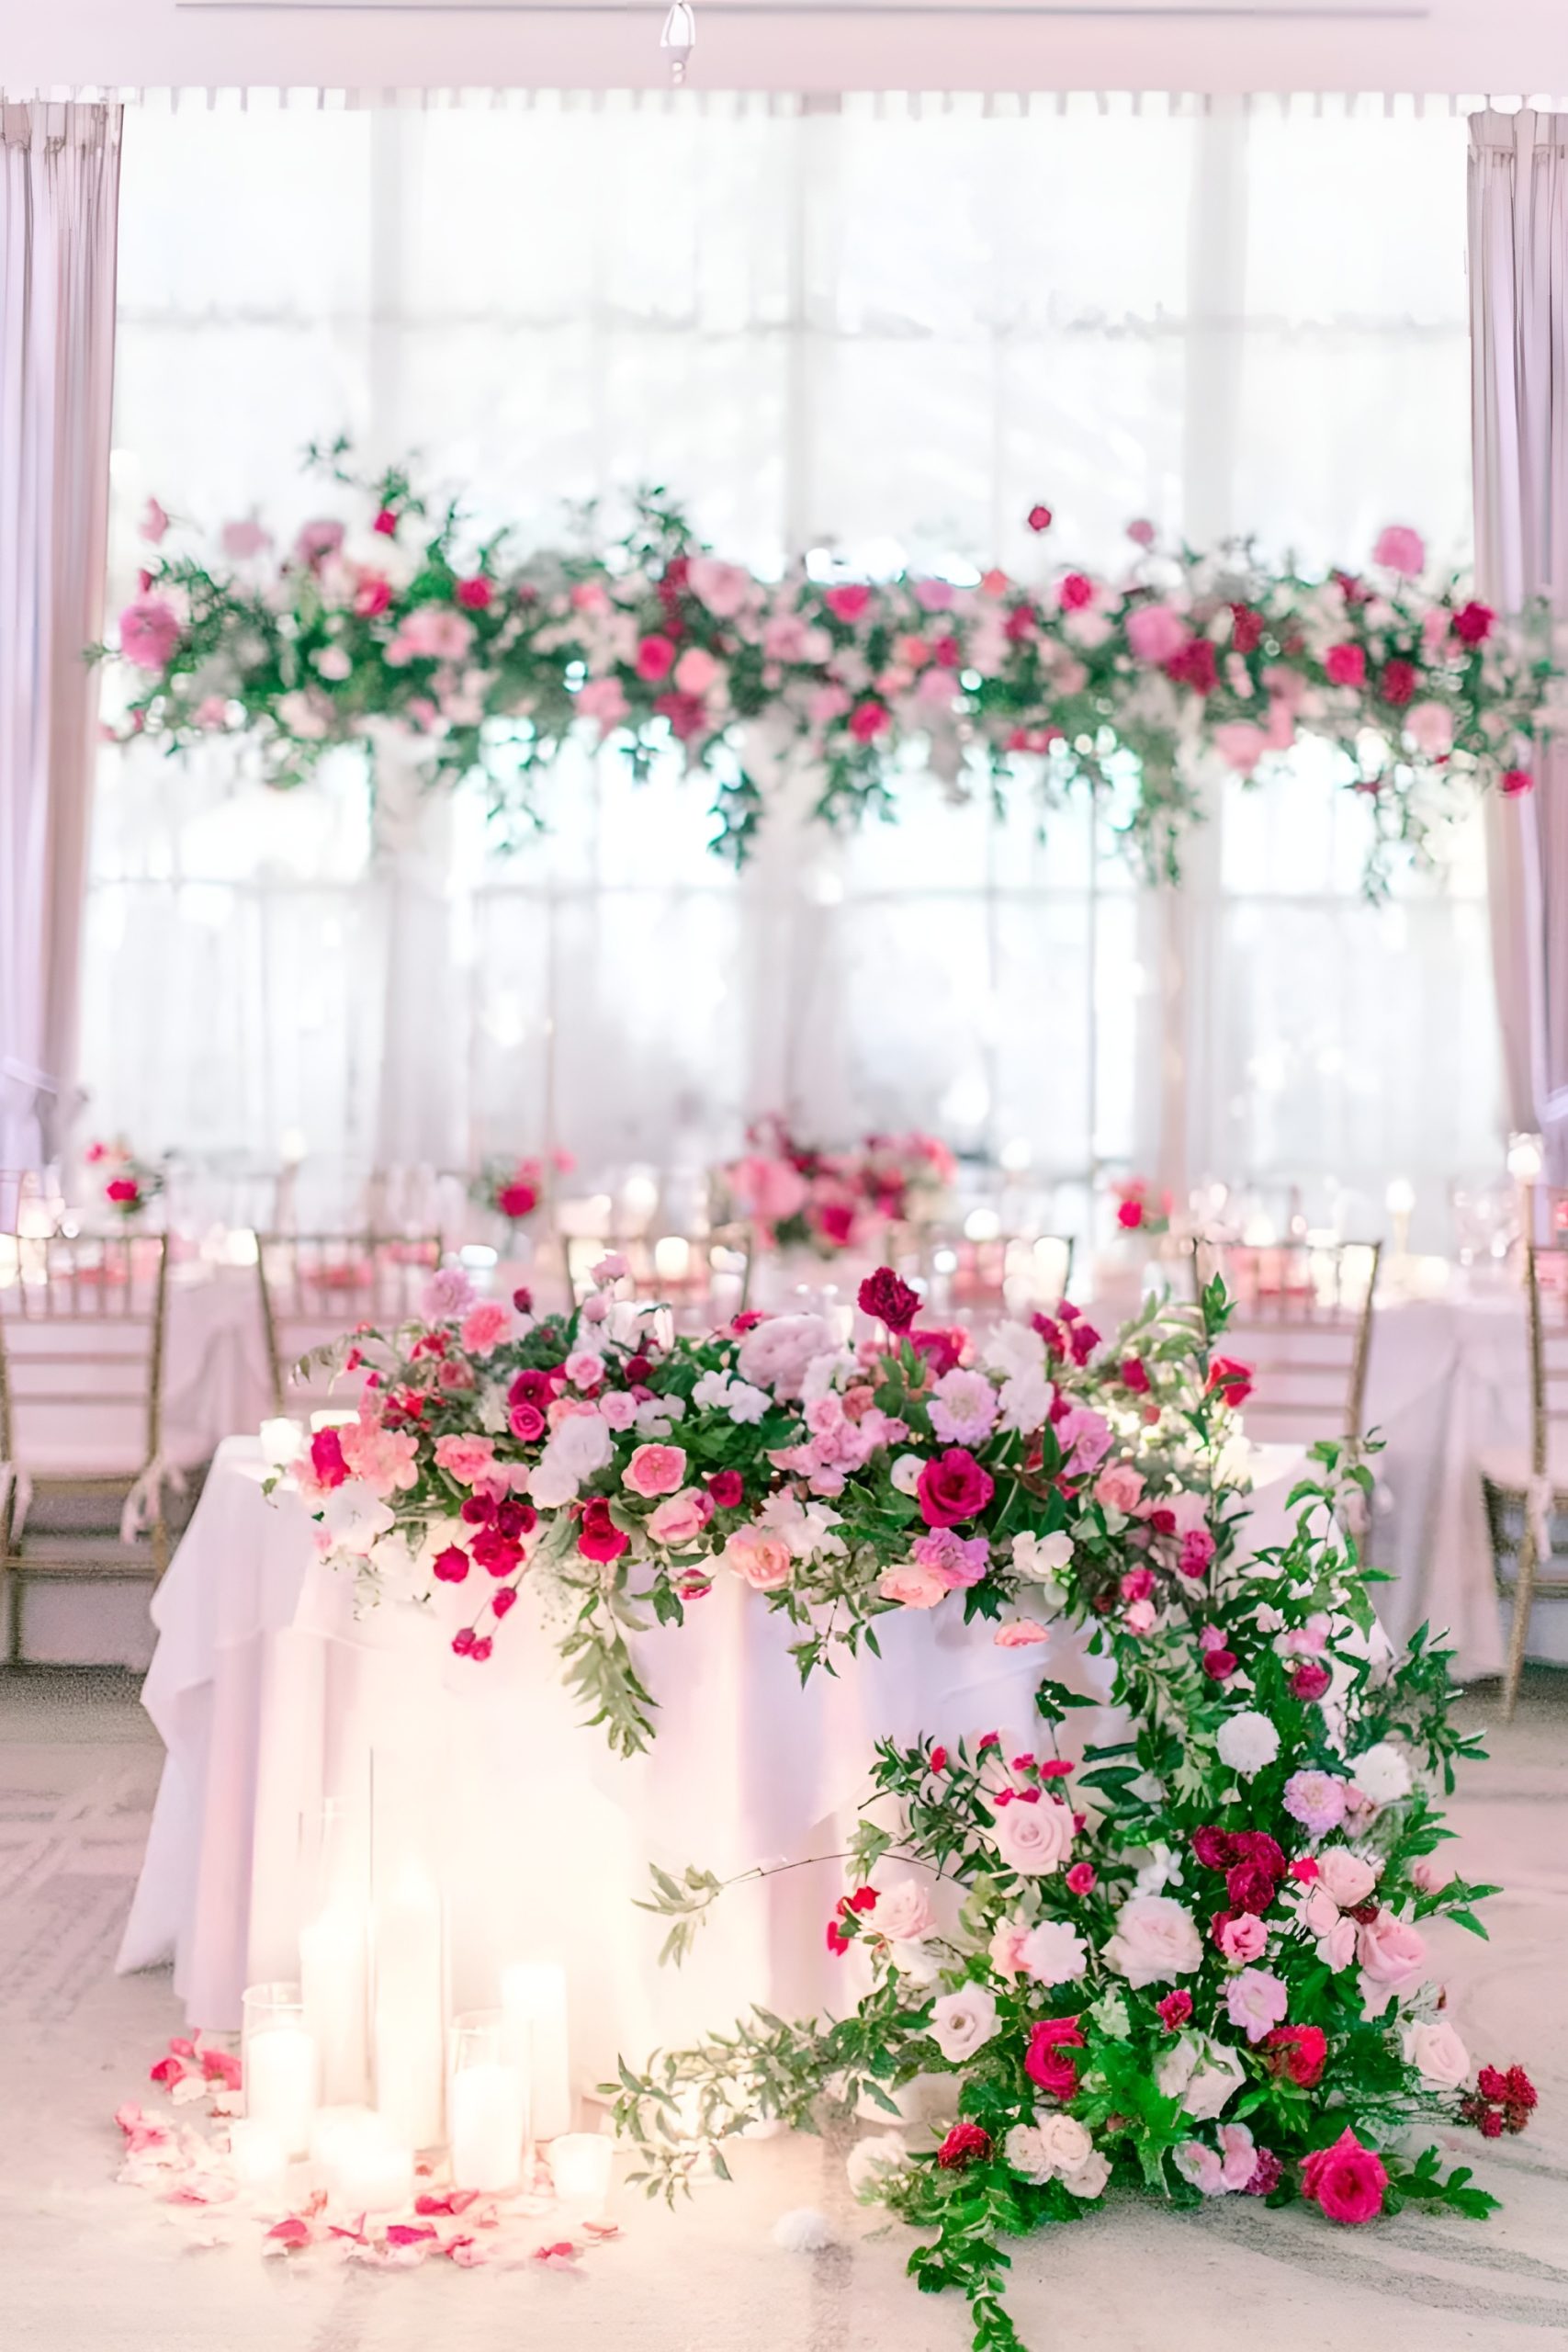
pixel 795 1196
pixel 125 1184
pixel 1140 1209
pixel 511 1188
pixel 1194 1962
pixel 408 615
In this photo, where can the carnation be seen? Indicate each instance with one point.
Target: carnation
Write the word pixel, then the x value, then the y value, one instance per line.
pixel 1053 1953
pixel 1382 1774
pixel 1316 1800
pixel 1247 1743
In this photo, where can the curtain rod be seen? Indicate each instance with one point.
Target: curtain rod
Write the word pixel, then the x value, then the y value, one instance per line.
pixel 914 104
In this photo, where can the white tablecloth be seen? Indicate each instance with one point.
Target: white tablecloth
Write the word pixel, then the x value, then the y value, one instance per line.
pixel 271 1696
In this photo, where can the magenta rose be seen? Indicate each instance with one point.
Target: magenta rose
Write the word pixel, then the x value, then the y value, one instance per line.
pixel 953 1487
pixel 1347 2180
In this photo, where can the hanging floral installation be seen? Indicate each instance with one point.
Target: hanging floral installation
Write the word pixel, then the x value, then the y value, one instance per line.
pixel 488 657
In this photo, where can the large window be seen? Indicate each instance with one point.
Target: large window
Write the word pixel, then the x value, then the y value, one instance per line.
pixel 887 326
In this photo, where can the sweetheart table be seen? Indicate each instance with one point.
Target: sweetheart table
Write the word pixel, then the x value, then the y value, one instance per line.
pixel 272 1696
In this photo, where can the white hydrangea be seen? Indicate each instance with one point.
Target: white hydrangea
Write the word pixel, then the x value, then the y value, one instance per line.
pixel 1247 1741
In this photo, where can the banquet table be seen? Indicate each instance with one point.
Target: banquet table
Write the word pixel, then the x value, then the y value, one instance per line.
pixel 272 1695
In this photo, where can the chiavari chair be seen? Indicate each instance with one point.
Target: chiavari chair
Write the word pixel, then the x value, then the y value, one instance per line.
pixel 1524 1499
pixel 315 1287
pixel 83 1319
pixel 1302 1317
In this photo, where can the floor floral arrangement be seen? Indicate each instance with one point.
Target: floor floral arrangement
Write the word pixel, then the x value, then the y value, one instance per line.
pixel 1192 1963
pixel 624 1468
pixel 409 616
pixel 797 1197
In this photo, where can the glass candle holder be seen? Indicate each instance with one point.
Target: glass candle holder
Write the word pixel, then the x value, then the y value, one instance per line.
pixel 533 1994
pixel 279 2062
pixel 258 2158
pixel 486 2106
pixel 360 2161
pixel 334 1945
pixel 580 2168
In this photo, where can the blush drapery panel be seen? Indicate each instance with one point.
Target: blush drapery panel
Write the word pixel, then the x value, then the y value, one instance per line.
pixel 58 200
pixel 1518 301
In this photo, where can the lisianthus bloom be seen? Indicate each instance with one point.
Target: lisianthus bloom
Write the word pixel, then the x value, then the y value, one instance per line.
pixel 888 1299
pixel 1347 2180
pixel 727 1488
pixel 599 1538
pixel 1046 2061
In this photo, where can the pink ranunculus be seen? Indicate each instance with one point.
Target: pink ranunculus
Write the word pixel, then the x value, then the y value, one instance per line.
pixel 1401 549
pixel 696 670
pixel 761 1558
pixel 656 1470
pixel 1240 744
pixel 1390 1953
pixel 724 588
pixel 430 633
pixel 484 1327
pixel 1243 1939
pixel 1020 1634
pixel 149 631
pixel 1156 633
pixel 1119 1487
pixel 1347 2180
pixel 913 1585
pixel 1344 1875
pixel 1430 727
pixel 467 1458
pixel 1256 2001
pixel 681 1518
pixel 602 699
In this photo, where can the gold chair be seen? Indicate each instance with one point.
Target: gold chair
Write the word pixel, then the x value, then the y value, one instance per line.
pixel 315 1287
pixel 82 1335
pixel 1523 1499
pixel 1303 1319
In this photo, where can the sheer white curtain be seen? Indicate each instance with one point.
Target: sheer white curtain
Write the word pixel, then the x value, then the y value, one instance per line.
pixel 887 326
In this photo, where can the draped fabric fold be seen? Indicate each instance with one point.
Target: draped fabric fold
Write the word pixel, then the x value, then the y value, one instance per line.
pixel 1518 298
pixel 59 202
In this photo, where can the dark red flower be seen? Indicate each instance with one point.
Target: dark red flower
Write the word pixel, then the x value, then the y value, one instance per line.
pixel 1215 1849
pixel 1301 2053
pixel 1134 1375
pixel 835 1222
pixel 965 2145
pixel 326 1458
pixel 599 1538
pixel 727 1488
pixel 941 1350
pixel 481 1650
pixel 1196 666
pixel 523 1301
pixel 532 1386
pixel 1472 622
pixel 1311 1679
pixel 953 1489
pixel 452 1565
pixel 1520 2089
pixel 463 1641
pixel 1233 1380
pixel 687 714
pixel 1398 683
pixel 515 1518
pixel 498 1554
pixel 1492 2083
pixel 1267 2173
pixel 1246 629
pixel 1174 2010
pixel 1256 1845
pixel 503 1597
pixel 1040 518
pixel 889 1299
pixel 939 1760
pixel 473 595
pixel 1219 1665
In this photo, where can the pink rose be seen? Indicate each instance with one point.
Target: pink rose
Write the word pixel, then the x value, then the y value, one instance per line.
pixel 1429 1874
pixel 1347 2180
pixel 603 700
pixel 1240 744
pixel 1345 1876
pixel 953 1489
pixel 696 671
pixel 1391 1952
pixel 1337 1949
pixel 1243 1939
pixel 483 1326
pixel 1256 2001
pixel 656 1469
pixel 1034 1838
pixel 1119 1487
pixel 904 1912
pixel 762 1559
pixel 724 588
pixel 913 1584
pixel 680 1520
pixel 1401 549
pixel 772 1189
pixel 1156 633
pixel 1431 729
pixel 149 632
pixel 1022 1633
pixel 467 1458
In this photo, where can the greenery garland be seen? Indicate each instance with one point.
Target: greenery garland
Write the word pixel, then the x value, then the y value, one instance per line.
pixel 486 659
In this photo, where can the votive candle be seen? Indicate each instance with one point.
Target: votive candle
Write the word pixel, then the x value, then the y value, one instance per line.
pixel 279 2063
pixel 580 2167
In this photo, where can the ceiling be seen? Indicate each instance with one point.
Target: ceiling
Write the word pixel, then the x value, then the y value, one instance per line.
pixel 1504 46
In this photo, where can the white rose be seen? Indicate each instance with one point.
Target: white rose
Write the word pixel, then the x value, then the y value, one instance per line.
pixel 872 2163
pixel 1247 1741
pixel 1090 2176
pixel 963 2021
pixel 1053 1953
pixel 916 1962
pixel 1066 2145
pixel 746 1404
pixel 1437 2054
pixel 903 1912
pixel 1156 1941
pixel 1034 1838
pixel 1204 2075
pixel 1025 2149
pixel 1042 1557
pixel 905 1473
pixel 1382 1774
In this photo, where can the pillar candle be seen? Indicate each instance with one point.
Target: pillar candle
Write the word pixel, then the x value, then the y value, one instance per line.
pixel 533 1996
pixel 280 2082
pixel 257 2156
pixel 580 2167
pixel 409 2008
pixel 486 2122
pixel 334 1983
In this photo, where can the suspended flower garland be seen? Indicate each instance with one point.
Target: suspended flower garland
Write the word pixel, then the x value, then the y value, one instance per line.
pixel 489 659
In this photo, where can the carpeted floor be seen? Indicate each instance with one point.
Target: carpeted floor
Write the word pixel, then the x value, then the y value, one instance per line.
pixel 86 2266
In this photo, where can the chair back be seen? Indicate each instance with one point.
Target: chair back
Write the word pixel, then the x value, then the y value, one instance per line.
pixel 317 1287
pixel 82 1329
pixel 1546 1287
pixel 1303 1315
pixel 970 1276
